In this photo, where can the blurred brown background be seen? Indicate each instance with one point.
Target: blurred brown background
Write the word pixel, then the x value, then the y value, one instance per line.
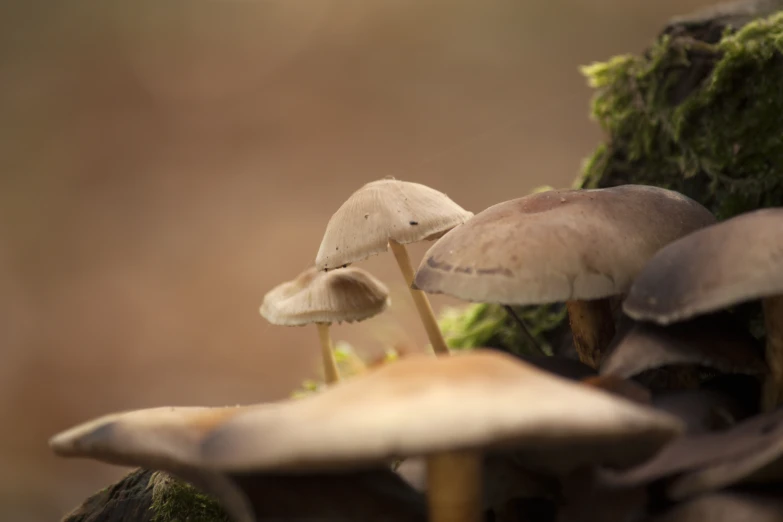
pixel 162 165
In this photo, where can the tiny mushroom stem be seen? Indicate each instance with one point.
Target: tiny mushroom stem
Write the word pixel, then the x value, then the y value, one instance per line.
pixel 523 328
pixel 592 325
pixel 420 298
pixel 454 486
pixel 331 374
pixel 773 322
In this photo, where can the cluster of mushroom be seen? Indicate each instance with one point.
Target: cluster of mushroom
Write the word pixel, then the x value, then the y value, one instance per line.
pixel 658 422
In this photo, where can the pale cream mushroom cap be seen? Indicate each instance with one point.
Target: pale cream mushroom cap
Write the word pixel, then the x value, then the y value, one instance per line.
pixel 422 405
pixel 737 260
pixel 159 436
pixel 558 245
pixel 384 210
pixel 347 294
pixel 166 439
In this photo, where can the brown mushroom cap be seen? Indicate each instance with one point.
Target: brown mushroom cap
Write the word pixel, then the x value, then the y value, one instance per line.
pixel 706 461
pixel 711 341
pixel 422 405
pixel 734 261
pixel 384 210
pixel 559 245
pixel 348 294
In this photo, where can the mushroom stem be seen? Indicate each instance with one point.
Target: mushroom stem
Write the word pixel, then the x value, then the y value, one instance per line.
pixel 454 486
pixel 773 322
pixel 525 332
pixel 420 298
pixel 331 375
pixel 592 326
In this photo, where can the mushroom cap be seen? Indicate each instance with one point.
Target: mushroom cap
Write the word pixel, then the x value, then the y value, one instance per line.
pixel 165 439
pixel 422 405
pixel 728 263
pixel 169 439
pixel 348 294
pixel 384 210
pixel 705 461
pixel 153 437
pixel 711 341
pixel 558 245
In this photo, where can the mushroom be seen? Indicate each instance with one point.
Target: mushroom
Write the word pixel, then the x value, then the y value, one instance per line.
pixel 168 439
pixel 449 410
pixel 348 294
pixel 391 213
pixel 712 341
pixel 749 452
pixel 577 246
pixel 735 261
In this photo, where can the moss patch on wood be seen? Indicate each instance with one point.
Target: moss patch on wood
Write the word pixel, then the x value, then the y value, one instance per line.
pixel 696 116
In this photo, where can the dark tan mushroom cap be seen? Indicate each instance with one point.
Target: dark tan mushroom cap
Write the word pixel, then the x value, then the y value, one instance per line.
pixel 750 452
pixel 737 260
pixel 558 245
pixel 384 210
pixel 711 341
pixel 422 405
pixel 348 294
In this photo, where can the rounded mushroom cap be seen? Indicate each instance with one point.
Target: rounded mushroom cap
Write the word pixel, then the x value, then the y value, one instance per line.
pixel 710 341
pixel 348 294
pixel 558 245
pixel 734 261
pixel 384 210
pixel 422 405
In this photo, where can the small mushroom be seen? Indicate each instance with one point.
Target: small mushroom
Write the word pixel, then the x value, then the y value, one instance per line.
pixel 391 213
pixel 347 294
pixel 577 246
pixel 450 411
pixel 168 439
pixel 735 261
pixel 712 341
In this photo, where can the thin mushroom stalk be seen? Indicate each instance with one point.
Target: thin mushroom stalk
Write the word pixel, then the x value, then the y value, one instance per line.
pixel 592 325
pixel 454 486
pixel 331 373
pixel 773 322
pixel 420 298
pixel 523 328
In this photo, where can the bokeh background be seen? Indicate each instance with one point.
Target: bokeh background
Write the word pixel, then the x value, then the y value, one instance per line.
pixel 164 164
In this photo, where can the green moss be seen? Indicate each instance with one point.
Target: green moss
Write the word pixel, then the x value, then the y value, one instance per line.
pixel 177 501
pixel 697 117
pixel 489 325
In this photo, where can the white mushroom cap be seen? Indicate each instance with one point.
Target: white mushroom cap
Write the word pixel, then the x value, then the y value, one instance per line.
pixel 384 210
pixel 558 245
pixel 348 294
pixel 422 405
